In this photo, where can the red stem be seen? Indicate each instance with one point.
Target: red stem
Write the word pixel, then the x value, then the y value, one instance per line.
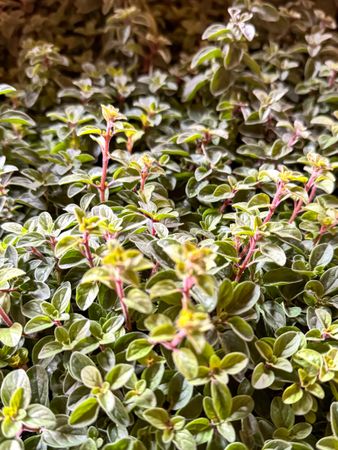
pixel 251 248
pixel 188 283
pixel 227 202
pixel 323 230
pixel 144 176
pixel 310 188
pixel 37 253
pixel 87 251
pixel 172 345
pixel 312 193
pixel 155 268
pixel 5 318
pixel 105 161
pixel 120 293
pixel 293 139
pixel 332 78
pixel 130 145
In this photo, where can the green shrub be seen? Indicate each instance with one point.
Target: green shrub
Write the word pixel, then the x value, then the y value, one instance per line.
pixel 169 262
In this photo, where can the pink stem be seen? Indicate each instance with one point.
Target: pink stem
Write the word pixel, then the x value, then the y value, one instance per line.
pixel 323 230
pixel 188 283
pixel 310 186
pixel 312 193
pixel 87 251
pixel 4 316
pixel 155 268
pixel 332 78
pixel 251 248
pixel 293 139
pixel 144 176
pixel 172 345
pixel 105 162
pixel 120 293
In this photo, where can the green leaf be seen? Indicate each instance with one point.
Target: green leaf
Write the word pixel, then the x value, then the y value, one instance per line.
pixel 88 129
pixel 66 243
pixel 242 406
pixel 281 414
pixel 281 277
pixel 11 336
pixel 329 280
pixel 39 382
pixel 6 89
pixel 287 344
pixel 119 414
pixel 38 323
pixel 139 301
pixel 11 445
pixel 236 446
pixel 241 328
pixel 39 416
pixel 138 349
pixel 11 382
pixel 193 86
pixel 215 31
pixel 275 253
pixel 184 440
pixel 125 444
pixel 186 363
pixel 63 435
pixel 157 417
pixel 292 394
pixel 234 362
pixel 179 391
pixel 17 399
pixel 327 443
pixel 266 12
pixel 61 297
pixel 232 56
pixel 10 428
pixel 107 403
pixel 16 117
pixel 245 296
pixel 86 293
pixel 119 375
pixel 9 274
pixel 91 377
pixel 205 54
pixel 220 82
pixel 221 399
pixel 85 413
pixel 77 362
pixel 321 255
pixel 262 377
pixel 334 418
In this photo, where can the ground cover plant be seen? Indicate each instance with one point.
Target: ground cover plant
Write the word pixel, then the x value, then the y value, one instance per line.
pixel 168 252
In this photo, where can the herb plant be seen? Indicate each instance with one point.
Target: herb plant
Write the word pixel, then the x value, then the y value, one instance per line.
pixel 169 247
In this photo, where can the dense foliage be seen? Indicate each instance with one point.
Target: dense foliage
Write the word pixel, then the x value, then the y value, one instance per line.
pixel 169 248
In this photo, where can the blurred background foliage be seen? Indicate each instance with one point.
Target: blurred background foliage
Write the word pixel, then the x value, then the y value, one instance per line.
pixel 83 31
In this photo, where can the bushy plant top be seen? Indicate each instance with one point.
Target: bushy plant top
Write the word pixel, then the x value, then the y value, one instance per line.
pixel 168 256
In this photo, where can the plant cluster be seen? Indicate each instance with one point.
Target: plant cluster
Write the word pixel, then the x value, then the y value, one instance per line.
pixel 169 247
